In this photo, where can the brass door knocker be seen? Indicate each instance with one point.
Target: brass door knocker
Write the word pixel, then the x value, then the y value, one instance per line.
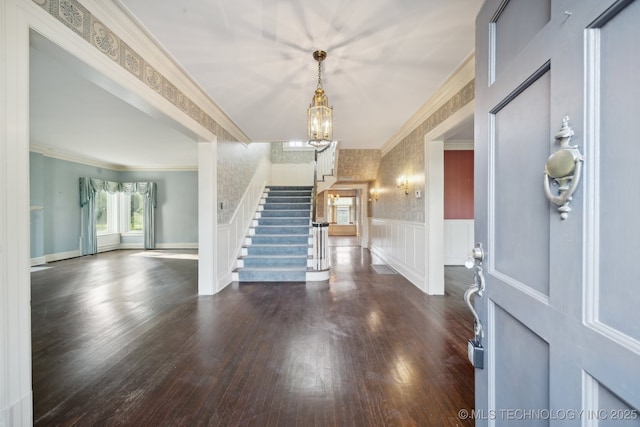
pixel 563 169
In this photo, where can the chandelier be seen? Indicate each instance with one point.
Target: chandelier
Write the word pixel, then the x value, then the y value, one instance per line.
pixel 320 115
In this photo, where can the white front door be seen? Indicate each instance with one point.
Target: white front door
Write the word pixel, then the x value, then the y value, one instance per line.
pixel 561 308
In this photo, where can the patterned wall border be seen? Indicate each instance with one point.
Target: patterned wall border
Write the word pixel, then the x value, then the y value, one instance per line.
pixel 77 18
pixel 455 103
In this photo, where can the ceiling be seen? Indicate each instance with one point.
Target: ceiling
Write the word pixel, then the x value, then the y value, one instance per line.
pixel 71 117
pixel 254 59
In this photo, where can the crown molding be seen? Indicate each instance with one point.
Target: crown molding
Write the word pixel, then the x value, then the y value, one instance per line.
pixel 89 161
pixel 457 80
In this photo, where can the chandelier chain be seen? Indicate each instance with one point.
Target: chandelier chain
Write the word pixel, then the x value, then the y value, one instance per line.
pixel 319 79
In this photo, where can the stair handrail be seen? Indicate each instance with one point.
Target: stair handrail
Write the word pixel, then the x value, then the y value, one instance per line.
pixel 324 165
pixel 314 190
pixel 325 160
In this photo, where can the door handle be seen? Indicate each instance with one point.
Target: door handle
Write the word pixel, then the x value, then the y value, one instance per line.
pixel 563 169
pixel 475 351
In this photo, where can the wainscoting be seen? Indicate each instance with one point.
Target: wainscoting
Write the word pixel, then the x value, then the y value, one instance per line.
pixel 402 246
pixel 458 240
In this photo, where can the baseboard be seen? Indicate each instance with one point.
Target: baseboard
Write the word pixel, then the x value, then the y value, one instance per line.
pixel 38 261
pixel 131 246
pixel 18 414
pixel 54 257
pixel 177 246
pixel 62 255
pixel 408 274
pixel 224 281
pixel 107 248
pixel 159 246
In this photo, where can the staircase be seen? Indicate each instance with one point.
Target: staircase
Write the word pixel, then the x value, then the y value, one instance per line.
pixel 278 246
pixel 326 167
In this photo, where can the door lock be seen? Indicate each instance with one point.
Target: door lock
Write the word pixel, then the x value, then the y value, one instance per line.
pixel 476 255
pixel 475 352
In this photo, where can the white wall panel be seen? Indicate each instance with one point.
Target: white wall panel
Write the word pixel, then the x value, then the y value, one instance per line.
pixel 458 240
pixel 401 245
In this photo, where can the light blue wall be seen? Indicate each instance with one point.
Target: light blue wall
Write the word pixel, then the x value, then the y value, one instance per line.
pixel 36 189
pixel 54 185
pixel 177 210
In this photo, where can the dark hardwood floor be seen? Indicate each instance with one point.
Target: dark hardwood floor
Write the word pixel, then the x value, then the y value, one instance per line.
pixel 121 338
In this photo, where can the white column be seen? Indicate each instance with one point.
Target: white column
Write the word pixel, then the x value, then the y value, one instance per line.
pixel 207 218
pixel 434 211
pixel 16 408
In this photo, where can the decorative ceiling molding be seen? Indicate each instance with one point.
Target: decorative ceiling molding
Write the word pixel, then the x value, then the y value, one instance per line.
pixel 456 92
pixel 81 21
pixel 75 158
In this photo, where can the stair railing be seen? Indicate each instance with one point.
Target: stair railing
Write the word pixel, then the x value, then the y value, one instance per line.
pixel 323 166
pixel 326 160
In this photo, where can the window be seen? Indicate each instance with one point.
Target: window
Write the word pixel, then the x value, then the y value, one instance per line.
pixel 297 146
pixel 131 213
pixel 344 215
pixel 135 212
pixel 102 212
pixel 106 212
pixel 341 210
pixel 117 209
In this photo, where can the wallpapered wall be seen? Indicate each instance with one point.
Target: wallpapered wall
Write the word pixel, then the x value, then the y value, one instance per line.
pixel 407 159
pixel 358 165
pixel 236 165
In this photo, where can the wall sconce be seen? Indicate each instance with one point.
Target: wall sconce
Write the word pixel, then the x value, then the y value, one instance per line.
pixel 403 184
pixel 374 194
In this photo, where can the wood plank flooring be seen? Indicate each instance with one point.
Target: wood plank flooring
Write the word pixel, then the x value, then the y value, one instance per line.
pixel 122 339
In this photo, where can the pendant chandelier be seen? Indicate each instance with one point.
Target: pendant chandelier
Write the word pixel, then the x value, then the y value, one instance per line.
pixel 320 115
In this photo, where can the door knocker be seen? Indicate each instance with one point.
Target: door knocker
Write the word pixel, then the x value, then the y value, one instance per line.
pixel 563 169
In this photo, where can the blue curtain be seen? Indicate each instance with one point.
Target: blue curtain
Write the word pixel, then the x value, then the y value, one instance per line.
pixel 88 236
pixel 148 190
pixel 149 223
pixel 88 189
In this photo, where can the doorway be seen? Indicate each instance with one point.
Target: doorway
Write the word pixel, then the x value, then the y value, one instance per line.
pixel 450 227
